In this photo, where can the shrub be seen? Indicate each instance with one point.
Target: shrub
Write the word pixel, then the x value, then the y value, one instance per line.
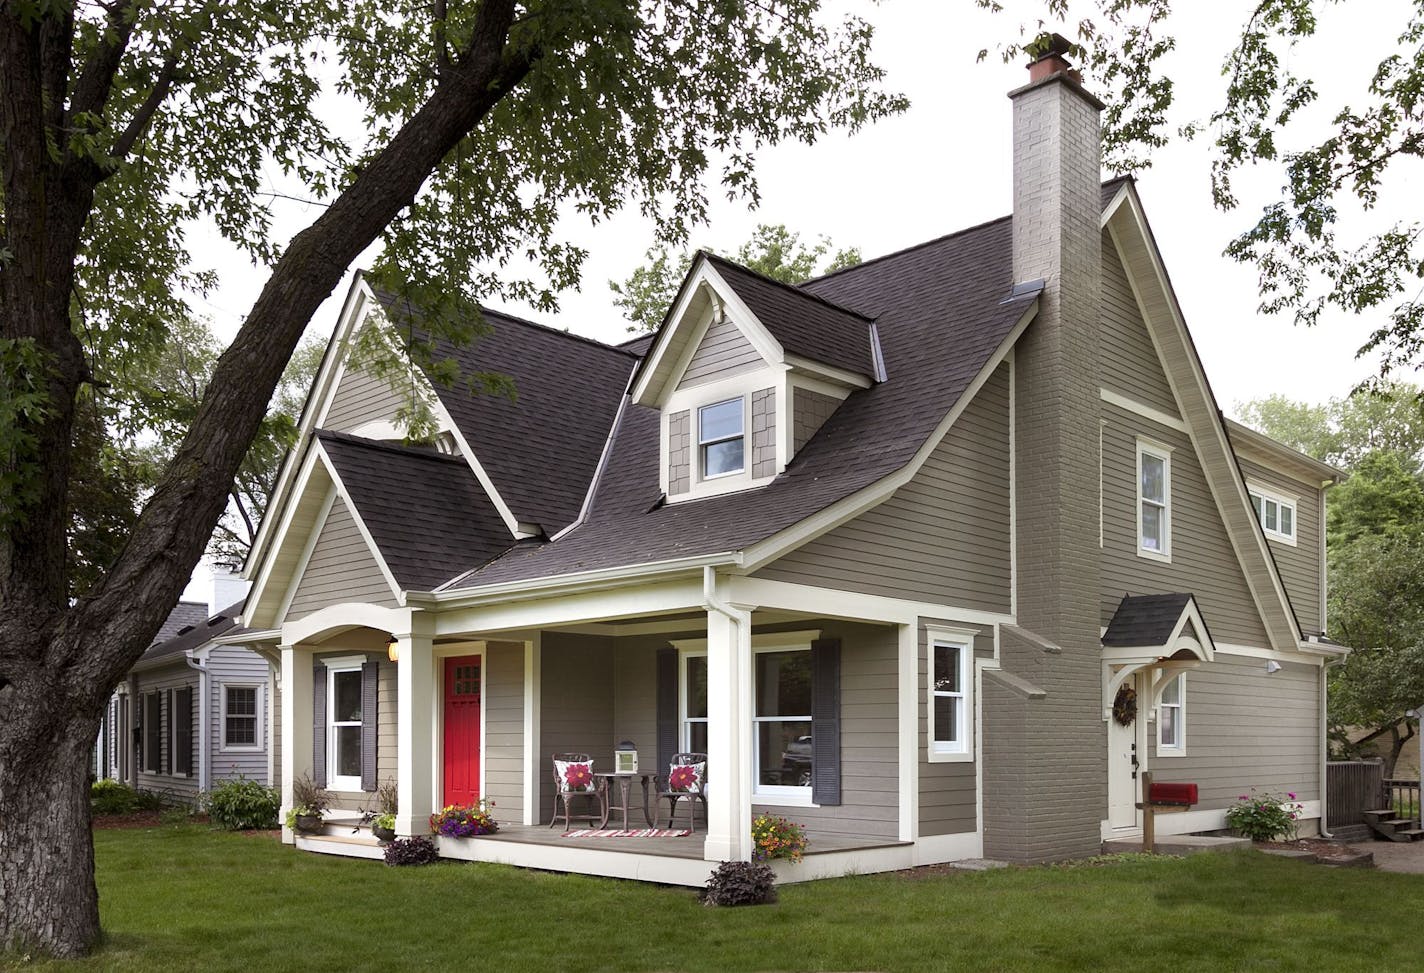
pixel 740 883
pixel 1265 817
pixel 775 837
pixel 308 797
pixel 244 805
pixel 464 820
pixel 419 850
pixel 152 800
pixel 112 797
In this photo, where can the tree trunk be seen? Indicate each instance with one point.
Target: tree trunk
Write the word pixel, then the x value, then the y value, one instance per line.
pixel 48 900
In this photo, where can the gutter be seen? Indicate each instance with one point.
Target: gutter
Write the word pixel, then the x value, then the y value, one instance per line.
pixel 205 730
pixel 1325 745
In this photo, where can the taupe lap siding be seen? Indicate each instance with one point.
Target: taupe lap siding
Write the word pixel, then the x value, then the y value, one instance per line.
pixel 724 351
pixel 387 757
pixel 1129 361
pixel 1299 565
pixel 359 399
pixel 1246 728
pixel 504 729
pixel 1203 560
pixel 943 537
pixel 947 790
pixel 576 705
pixel 341 568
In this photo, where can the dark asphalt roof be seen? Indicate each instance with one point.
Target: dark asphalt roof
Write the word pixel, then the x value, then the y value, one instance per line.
pixel 196 634
pixel 806 324
pixel 425 510
pixel 185 614
pixel 1146 620
pixel 941 313
pixel 540 448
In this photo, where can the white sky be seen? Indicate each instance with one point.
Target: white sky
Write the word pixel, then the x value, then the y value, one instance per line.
pixel 945 165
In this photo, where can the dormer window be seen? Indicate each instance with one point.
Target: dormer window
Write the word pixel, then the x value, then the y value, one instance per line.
pixel 720 440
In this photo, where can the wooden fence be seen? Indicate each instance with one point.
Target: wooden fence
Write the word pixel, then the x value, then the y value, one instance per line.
pixel 1352 788
pixel 1403 797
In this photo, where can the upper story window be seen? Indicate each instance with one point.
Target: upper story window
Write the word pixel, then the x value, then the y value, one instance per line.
pixel 1154 501
pixel 1275 512
pixel 721 444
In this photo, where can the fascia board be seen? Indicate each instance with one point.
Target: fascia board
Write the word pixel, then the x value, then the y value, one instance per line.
pixel 396 590
pixel 803 532
pixel 288 512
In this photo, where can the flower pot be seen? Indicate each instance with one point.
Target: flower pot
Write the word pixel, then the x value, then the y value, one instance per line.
pixel 310 823
pixel 384 834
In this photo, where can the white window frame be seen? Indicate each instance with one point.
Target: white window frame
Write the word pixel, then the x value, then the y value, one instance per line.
pixel 743 385
pixel 781 793
pixel 1281 500
pixel 1146 447
pixel 963 639
pixel 257 743
pixel 1179 748
pixel 701 444
pixel 335 781
pixel 684 722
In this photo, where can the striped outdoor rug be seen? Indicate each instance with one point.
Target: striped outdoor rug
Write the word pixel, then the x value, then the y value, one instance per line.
pixel 639 833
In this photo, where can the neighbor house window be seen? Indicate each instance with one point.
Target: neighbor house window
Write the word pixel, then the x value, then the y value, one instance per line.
pixel 1169 715
pixel 719 438
pixel 783 721
pixel 153 733
pixel 948 712
pixel 180 724
pixel 239 718
pixel 1154 500
pixel 344 728
pixel 1276 514
pixel 694 703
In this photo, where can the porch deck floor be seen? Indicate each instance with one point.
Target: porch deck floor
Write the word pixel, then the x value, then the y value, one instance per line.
pixel 689 847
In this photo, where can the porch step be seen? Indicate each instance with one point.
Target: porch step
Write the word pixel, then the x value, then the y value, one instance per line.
pixel 347 845
pixel 1386 823
pixel 1177 844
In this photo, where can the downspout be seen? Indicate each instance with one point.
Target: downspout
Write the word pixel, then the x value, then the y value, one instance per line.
pixel 1325 745
pixel 204 730
pixel 742 619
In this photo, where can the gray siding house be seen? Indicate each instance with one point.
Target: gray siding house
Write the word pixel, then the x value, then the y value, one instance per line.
pixel 933 554
pixel 192 712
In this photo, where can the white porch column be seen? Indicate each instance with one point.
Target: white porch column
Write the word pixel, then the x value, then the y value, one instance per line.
pixel 729 743
pixel 415 731
pixel 296 724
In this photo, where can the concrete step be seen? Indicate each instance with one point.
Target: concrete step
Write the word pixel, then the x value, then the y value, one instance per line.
pixel 349 845
pixel 1180 844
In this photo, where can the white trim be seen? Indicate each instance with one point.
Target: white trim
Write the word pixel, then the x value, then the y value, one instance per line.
pixel 533 658
pixel 1012 359
pixel 1148 447
pixel 381 430
pixel 360 524
pixel 1143 410
pixel 1255 652
pixel 343 617
pixel 578 582
pixel 852 605
pixel 304 559
pixel 258 729
pixel 288 507
pixel 908 676
pixel 340 664
pixel 1110 210
pixel 448 424
pixel 684 654
pixel 1282 500
pixel 769 549
pixel 937 636
pixel 171 733
pixel 1193 822
pixel 934 849
pixel 829 372
pixel 742 385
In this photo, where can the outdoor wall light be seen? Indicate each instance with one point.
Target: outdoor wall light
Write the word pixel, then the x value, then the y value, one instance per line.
pixel 1272 667
pixel 393 649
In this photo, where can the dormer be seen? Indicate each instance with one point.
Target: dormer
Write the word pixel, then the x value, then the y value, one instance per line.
pixel 744 370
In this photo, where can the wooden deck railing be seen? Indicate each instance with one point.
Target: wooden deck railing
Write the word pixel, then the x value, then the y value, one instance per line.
pixel 1352 788
pixel 1403 796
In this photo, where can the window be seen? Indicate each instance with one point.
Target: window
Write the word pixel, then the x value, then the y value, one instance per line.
pixel 948 714
pixel 181 728
pixel 783 721
pixel 1154 501
pixel 153 733
pixel 1169 715
pixel 239 718
pixel 694 703
pixel 1276 514
pixel 344 727
pixel 719 438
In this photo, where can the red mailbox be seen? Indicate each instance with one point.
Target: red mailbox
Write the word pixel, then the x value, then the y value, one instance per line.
pixel 1174 795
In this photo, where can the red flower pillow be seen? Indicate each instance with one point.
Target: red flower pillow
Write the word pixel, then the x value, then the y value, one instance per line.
pixel 686 778
pixel 574 777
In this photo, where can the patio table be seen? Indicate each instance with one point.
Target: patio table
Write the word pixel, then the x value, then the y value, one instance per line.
pixel 624 783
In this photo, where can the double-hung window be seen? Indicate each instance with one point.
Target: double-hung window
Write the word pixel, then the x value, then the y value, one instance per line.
pixel 783 722
pixel 720 440
pixel 1170 737
pixel 694 703
pixel 1154 501
pixel 239 718
pixel 1276 514
pixel 344 728
pixel 951 695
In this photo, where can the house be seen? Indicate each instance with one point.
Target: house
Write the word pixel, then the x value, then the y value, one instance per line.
pixel 932 554
pixel 191 712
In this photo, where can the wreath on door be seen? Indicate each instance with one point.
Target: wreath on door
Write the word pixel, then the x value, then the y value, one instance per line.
pixel 1125 706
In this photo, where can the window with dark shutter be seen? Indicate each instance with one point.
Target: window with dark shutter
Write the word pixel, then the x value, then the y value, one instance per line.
pixel 182 723
pixel 153 733
pixel 370 682
pixel 826 722
pixel 319 724
pixel 666 707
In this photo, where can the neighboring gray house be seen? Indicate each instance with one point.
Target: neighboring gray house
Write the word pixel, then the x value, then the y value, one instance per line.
pixel 191 712
pixel 932 554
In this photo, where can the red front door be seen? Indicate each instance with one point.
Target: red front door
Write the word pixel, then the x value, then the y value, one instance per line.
pixel 462 730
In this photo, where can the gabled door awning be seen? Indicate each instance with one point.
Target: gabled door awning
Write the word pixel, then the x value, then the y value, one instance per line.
pixel 1149 628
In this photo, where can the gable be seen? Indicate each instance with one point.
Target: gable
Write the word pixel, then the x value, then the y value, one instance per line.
pixel 724 351
pixel 341 568
pixel 360 398
pixel 1128 360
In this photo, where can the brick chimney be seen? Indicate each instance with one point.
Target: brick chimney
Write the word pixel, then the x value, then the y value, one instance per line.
pixel 1046 754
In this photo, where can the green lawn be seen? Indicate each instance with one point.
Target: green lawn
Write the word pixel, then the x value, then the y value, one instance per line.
pixel 185 898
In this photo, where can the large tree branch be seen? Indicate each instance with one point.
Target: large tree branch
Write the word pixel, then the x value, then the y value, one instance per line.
pixel 188 501
pixel 96 78
pixel 138 124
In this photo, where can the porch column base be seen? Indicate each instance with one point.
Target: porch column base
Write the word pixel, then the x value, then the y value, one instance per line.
pixel 729 753
pixel 297 732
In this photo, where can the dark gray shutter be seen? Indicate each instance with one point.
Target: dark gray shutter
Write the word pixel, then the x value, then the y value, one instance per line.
pixel 166 746
pixel 826 721
pixel 319 724
pixel 370 679
pixel 183 731
pixel 666 708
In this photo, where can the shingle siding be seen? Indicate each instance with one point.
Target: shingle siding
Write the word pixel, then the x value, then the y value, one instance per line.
pixel 763 433
pixel 341 568
pixel 724 352
pixel 809 412
pixel 1299 564
pixel 679 452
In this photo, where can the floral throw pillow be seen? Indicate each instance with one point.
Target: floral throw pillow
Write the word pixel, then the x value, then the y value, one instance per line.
pixel 574 777
pixel 686 778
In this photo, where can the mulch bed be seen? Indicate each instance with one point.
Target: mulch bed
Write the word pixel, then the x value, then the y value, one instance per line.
pixel 139 819
pixel 1329 852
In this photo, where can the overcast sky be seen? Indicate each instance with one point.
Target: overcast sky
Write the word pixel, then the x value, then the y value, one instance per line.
pixel 945 165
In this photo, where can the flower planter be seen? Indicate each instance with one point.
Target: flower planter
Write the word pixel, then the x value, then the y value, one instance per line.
pixel 384 835
pixel 310 823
